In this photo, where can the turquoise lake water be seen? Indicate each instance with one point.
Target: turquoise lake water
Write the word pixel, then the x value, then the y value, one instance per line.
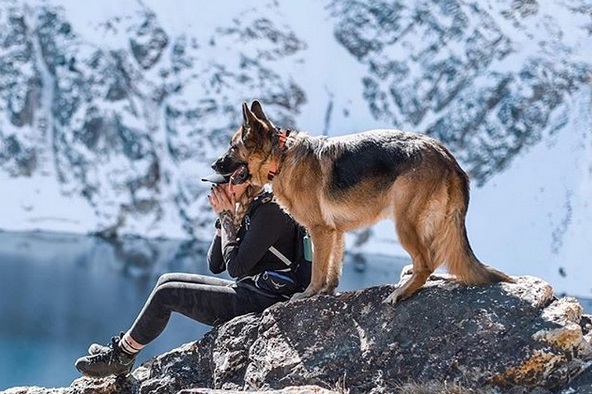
pixel 61 292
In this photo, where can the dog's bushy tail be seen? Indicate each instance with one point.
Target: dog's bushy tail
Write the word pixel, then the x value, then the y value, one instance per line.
pixel 452 243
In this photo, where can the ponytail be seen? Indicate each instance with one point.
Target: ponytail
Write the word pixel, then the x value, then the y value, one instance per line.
pixel 244 202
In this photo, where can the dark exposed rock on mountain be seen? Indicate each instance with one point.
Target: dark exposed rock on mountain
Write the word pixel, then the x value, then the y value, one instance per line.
pixel 128 117
pixel 124 114
pixel 486 78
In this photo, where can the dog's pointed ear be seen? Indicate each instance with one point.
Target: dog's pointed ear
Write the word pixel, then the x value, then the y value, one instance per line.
pixel 257 109
pixel 249 120
pixel 247 116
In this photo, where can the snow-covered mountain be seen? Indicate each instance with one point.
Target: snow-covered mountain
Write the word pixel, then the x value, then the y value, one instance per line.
pixel 111 111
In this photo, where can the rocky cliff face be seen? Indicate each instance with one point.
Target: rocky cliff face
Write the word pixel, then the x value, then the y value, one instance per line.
pixel 489 79
pixel 516 338
pixel 126 115
pixel 129 123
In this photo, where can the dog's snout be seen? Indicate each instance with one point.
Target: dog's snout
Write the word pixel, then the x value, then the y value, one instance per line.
pixel 226 164
pixel 223 165
pixel 218 165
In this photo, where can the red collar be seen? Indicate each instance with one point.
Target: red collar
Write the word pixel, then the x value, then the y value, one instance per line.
pixel 282 138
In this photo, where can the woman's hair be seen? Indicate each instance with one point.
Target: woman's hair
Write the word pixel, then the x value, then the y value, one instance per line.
pixel 244 202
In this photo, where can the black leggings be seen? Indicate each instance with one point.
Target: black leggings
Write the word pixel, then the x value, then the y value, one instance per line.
pixel 203 298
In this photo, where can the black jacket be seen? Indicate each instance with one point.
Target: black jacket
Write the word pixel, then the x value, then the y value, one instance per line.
pixel 265 224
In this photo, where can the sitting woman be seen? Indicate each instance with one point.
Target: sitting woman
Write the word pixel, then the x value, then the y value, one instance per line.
pixel 256 242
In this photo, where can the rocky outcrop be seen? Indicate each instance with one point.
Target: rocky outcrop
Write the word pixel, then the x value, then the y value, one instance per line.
pixel 516 338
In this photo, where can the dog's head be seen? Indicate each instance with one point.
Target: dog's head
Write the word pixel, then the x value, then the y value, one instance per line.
pixel 249 156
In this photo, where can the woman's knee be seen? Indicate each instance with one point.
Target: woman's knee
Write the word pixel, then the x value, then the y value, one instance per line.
pixel 166 278
pixel 164 295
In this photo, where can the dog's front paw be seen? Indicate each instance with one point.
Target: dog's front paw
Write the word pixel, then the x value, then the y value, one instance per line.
pixel 330 287
pixel 304 295
pixel 328 290
pixel 298 296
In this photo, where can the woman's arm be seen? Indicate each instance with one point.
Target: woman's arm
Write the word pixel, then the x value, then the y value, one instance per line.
pixel 222 204
pixel 215 259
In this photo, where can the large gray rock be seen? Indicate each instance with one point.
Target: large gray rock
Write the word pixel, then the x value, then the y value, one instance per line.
pixel 516 337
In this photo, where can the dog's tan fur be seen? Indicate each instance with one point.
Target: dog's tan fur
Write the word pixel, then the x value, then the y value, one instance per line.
pixel 427 200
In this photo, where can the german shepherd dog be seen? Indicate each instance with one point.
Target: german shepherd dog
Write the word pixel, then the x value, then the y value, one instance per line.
pixel 338 184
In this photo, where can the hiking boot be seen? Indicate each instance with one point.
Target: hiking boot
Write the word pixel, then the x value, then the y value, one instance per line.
pixel 97 348
pixel 110 361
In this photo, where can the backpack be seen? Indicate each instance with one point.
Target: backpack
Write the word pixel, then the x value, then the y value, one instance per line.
pixel 295 276
pixel 303 255
pixel 292 279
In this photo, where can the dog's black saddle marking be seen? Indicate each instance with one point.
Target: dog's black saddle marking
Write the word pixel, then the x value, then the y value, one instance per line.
pixel 378 157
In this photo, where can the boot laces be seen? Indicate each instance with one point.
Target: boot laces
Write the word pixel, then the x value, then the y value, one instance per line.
pixel 108 356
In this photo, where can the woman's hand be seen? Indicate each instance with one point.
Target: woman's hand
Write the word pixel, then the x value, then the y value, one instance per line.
pixel 223 203
pixel 221 199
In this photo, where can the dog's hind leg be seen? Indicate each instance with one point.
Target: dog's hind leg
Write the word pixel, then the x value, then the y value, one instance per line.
pixel 420 255
pixel 323 238
pixel 336 262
